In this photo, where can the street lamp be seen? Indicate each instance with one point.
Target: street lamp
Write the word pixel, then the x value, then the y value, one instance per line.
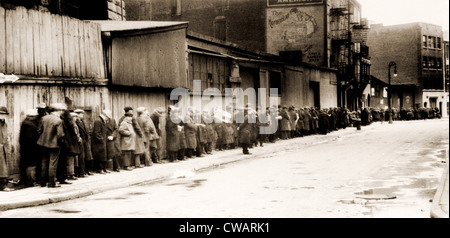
pixel 392 63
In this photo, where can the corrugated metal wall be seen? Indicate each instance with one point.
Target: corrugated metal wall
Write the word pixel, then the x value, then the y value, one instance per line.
pixel 151 60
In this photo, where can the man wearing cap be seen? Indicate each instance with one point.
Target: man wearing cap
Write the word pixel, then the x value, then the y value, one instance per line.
pixel 28 137
pixel 4 148
pixel 51 138
pixel 155 116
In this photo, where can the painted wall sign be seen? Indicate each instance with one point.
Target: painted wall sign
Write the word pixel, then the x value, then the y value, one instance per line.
pixel 292 2
pixel 296 29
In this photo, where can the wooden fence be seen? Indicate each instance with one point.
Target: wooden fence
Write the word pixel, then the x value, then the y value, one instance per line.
pixel 38 43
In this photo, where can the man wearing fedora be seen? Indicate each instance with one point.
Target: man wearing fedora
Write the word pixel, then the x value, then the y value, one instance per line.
pixel 4 145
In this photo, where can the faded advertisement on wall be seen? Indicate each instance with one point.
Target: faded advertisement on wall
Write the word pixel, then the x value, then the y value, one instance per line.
pixel 297 29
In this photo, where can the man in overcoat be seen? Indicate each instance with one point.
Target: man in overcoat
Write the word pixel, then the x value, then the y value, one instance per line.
pixel 28 137
pixel 51 139
pixel 85 157
pixel 245 130
pixel 156 116
pixel 113 151
pixel 4 148
pixel 98 144
pixel 172 134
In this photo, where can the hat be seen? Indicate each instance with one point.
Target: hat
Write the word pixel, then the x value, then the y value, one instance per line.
pixel 58 106
pixel 141 109
pixel 31 112
pixel 3 110
pixel 79 111
pixel 41 105
pixel 73 114
pixel 128 108
pixel 159 110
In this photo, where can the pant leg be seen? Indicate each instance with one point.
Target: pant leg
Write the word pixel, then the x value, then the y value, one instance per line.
pixel 147 156
pixel 53 158
pixel 137 160
pixel 245 148
pixel 70 165
pixel 126 157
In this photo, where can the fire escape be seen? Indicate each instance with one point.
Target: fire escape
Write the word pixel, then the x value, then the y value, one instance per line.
pixel 349 58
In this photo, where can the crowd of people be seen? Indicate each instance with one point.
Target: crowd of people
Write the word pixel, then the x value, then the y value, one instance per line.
pixel 56 145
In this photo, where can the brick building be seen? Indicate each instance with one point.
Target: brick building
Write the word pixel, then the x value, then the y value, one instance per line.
pixel 325 33
pixel 417 50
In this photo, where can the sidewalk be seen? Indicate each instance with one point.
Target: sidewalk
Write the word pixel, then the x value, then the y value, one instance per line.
pixel 439 207
pixel 99 183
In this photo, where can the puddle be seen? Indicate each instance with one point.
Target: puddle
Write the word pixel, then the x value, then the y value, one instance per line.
pixel 196 183
pixel 377 194
pixel 136 193
pixel 64 211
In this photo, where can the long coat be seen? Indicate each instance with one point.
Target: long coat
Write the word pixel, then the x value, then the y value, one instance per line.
pixel 85 136
pixel 285 121
pixel 245 130
pixel 300 125
pixel 293 117
pixel 306 120
pixel 112 146
pixel 28 142
pixel 4 144
pixel 323 123
pixel 172 136
pixel 228 133
pixel 72 145
pixel 98 140
pixel 127 136
pixel 190 133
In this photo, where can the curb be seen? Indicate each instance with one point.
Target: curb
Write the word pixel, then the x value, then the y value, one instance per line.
pixel 436 209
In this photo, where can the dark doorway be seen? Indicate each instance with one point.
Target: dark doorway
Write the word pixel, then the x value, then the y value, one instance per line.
pixel 315 87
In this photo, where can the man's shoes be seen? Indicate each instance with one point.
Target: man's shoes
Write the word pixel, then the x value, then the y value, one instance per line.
pixel 54 185
pixel 106 171
pixel 72 178
pixel 65 182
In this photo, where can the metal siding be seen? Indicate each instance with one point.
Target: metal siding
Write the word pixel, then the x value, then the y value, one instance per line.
pixel 151 60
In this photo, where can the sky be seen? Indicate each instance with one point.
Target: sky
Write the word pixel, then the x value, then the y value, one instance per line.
pixel 393 12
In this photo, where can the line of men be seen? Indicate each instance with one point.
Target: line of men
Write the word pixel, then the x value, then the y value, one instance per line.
pixel 56 145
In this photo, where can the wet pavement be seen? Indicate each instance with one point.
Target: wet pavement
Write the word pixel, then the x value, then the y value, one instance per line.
pixel 309 177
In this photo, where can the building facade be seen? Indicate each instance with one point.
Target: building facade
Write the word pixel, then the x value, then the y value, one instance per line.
pixel 418 52
pixel 324 33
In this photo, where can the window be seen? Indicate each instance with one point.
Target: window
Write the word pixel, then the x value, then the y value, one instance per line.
pixel 275 81
pixel 424 40
pixel 431 62
pixel 430 42
pixel 425 62
pixel 176 7
pixel 439 44
pixel 438 63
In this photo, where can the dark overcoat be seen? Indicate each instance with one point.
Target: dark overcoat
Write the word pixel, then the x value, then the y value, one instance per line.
pixel 112 146
pixel 172 136
pixel 98 140
pixel 28 142
pixel 86 137
pixel 245 130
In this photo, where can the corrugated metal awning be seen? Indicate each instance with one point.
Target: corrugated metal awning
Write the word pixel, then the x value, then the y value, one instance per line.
pixel 117 26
